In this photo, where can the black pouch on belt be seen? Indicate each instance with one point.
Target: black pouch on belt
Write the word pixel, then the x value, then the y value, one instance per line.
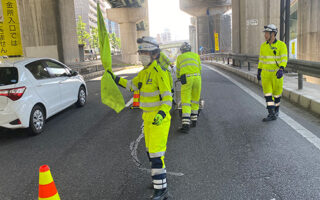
pixel 183 79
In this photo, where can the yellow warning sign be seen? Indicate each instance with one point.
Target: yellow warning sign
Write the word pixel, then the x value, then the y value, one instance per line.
pixel 293 48
pixel 216 41
pixel 10 37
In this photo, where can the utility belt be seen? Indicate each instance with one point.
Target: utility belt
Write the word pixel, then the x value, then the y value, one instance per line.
pixel 184 77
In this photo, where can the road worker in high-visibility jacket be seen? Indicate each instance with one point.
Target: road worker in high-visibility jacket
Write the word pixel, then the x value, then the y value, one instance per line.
pixel 155 101
pixel 165 63
pixel 189 73
pixel 272 61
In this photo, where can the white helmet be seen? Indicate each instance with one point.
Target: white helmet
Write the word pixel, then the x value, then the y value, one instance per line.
pixel 147 44
pixel 270 28
pixel 185 47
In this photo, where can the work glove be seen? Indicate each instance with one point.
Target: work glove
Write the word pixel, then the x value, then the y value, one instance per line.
pixel 280 72
pixel 259 74
pixel 159 118
pixel 112 74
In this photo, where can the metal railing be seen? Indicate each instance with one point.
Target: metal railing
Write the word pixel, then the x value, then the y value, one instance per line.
pixel 302 67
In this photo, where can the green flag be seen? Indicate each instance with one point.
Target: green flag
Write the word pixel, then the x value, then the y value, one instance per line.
pixel 110 93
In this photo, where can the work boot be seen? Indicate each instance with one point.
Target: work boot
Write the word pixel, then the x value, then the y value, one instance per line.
pixel 160 194
pixel 271 116
pixel 276 111
pixel 193 123
pixel 185 128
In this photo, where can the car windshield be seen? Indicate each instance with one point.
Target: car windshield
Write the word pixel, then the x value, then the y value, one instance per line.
pixel 8 76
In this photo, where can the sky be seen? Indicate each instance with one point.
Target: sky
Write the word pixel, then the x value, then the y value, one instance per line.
pixel 166 14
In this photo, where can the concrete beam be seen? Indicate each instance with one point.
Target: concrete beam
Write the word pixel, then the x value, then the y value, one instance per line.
pixel 200 7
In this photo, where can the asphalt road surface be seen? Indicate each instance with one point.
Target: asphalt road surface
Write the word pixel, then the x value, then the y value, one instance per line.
pixel 96 154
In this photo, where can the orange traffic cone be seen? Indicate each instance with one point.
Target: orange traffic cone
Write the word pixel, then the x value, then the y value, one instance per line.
pixel 47 188
pixel 136 100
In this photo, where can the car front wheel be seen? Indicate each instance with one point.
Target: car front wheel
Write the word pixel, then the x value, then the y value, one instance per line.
pixel 37 120
pixel 82 97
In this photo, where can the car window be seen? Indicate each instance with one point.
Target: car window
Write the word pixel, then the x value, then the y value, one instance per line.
pixel 56 69
pixel 8 76
pixel 38 70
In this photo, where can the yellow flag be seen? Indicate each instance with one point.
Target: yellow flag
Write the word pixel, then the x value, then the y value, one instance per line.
pixel 110 93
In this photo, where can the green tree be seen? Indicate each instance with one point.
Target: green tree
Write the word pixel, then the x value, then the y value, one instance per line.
pixel 83 35
pixel 115 41
pixel 94 38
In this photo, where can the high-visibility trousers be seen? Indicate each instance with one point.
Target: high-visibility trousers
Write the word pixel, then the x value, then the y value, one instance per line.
pixel 190 97
pixel 272 88
pixel 156 144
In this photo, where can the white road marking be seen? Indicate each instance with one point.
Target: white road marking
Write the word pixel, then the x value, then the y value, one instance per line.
pixel 308 135
pixel 129 102
pixel 99 78
pixel 134 146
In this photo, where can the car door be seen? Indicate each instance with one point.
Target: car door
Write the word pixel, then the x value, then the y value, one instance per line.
pixel 68 84
pixel 46 87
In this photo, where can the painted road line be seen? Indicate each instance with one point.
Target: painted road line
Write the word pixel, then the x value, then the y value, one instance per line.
pixel 134 154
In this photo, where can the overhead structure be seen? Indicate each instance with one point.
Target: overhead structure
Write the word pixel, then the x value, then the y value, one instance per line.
pixel 207 31
pixel 132 15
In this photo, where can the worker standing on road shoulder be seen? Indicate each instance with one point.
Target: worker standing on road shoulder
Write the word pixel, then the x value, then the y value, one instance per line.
pixel 272 61
pixel 189 73
pixel 156 102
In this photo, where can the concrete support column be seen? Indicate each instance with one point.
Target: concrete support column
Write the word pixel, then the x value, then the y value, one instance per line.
pixel 193 35
pixel 193 38
pixel 308 30
pixel 248 19
pixel 129 47
pixel 236 47
pixel 203 32
pixel 145 32
pixel 127 18
pixel 308 35
pixel 67 34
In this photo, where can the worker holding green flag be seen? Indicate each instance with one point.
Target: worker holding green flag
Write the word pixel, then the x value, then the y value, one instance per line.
pixel 110 93
pixel 153 85
pixel 155 100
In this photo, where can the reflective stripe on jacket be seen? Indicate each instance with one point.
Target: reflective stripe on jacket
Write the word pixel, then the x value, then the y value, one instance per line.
pixel 153 84
pixel 268 60
pixel 188 63
pixel 164 61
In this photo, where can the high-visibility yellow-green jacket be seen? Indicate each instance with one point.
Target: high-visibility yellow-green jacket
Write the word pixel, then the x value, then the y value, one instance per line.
pixel 164 63
pixel 271 54
pixel 154 87
pixel 188 63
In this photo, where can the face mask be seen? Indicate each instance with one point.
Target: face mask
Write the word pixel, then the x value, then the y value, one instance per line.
pixel 145 60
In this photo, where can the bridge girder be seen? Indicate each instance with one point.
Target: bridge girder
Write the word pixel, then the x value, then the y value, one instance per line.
pixel 125 3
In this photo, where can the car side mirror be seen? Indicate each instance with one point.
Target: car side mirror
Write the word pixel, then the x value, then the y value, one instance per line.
pixel 74 73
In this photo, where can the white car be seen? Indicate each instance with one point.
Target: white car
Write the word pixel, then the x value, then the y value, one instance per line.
pixel 34 89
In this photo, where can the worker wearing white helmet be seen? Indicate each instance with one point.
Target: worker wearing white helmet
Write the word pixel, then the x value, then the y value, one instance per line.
pixel 189 72
pixel 272 62
pixel 156 102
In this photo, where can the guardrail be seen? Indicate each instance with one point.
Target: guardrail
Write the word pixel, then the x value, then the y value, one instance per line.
pixel 302 67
